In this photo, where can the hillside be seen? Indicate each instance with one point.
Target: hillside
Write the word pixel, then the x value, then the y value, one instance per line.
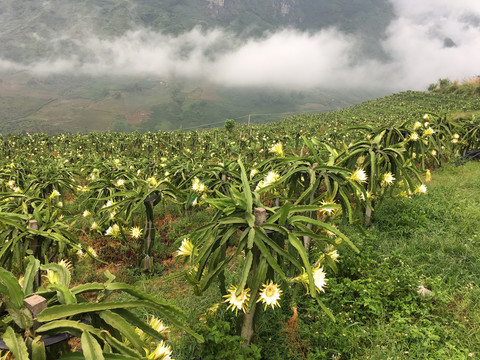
pixel 126 104
pixel 34 30
pixel 80 104
pixel 152 65
pixel 45 45
pixel 346 243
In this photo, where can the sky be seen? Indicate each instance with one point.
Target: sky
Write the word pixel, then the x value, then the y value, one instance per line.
pixel 414 43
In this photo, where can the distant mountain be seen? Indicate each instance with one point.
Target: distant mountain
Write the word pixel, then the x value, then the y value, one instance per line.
pixel 39 29
pixel 44 32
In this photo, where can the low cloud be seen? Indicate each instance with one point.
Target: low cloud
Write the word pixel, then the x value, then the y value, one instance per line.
pixel 416 41
pixel 295 59
pixel 415 45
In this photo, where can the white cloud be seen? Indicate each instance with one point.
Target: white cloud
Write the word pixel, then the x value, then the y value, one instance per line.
pixel 414 42
pixel 10 65
pixel 433 10
pixel 289 58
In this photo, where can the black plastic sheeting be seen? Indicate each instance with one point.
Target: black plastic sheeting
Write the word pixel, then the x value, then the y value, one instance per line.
pixel 472 155
pixel 47 340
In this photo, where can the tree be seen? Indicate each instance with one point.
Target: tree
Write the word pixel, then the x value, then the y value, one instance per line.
pixel 229 125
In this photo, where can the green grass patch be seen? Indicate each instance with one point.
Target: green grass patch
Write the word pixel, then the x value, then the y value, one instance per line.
pixel 428 240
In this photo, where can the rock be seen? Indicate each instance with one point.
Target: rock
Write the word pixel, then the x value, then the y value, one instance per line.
pixel 423 291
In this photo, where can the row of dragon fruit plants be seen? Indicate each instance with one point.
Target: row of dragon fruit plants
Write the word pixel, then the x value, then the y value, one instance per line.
pixel 276 207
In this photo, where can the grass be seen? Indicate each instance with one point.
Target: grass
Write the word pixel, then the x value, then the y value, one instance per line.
pixel 430 240
pixel 442 234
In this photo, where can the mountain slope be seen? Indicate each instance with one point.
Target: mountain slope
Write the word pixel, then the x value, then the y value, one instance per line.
pixel 46 34
pixel 38 29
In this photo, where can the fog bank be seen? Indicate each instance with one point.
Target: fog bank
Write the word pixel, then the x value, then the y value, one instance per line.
pixel 428 40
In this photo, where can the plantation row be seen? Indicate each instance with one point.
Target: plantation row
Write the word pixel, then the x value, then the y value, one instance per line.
pixel 274 216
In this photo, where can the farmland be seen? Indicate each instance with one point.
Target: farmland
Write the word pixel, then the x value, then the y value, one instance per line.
pixel 346 235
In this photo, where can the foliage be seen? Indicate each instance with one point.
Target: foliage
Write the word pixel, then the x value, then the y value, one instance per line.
pixel 33 225
pixel 229 125
pixel 380 312
pixel 469 87
pixel 313 186
pixel 219 344
pixel 68 311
